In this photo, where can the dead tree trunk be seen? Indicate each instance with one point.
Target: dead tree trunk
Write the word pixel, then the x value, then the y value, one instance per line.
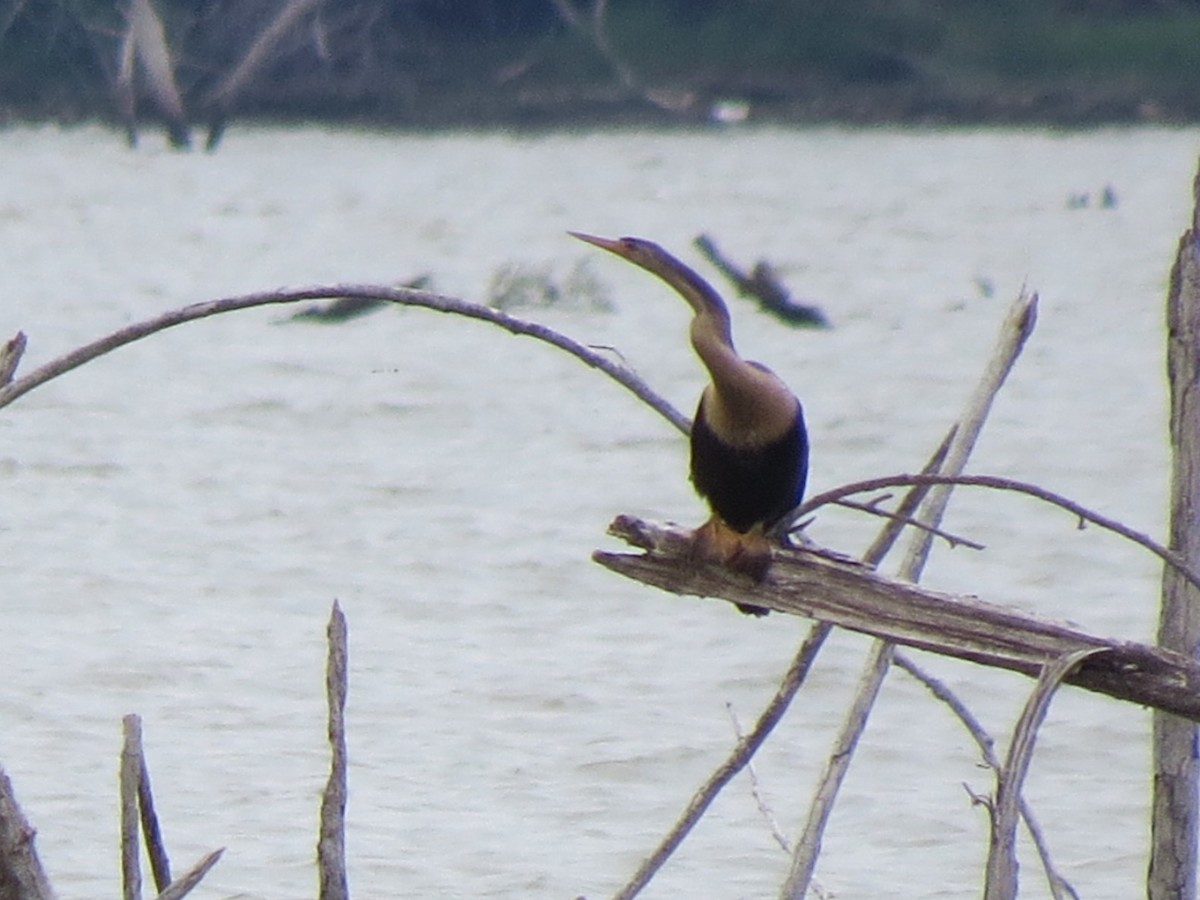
pixel 1174 824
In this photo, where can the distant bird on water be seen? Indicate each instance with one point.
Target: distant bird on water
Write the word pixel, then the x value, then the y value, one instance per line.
pixel 749 446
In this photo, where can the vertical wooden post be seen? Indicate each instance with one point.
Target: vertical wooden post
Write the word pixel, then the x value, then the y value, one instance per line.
pixel 331 843
pixel 1173 859
pixel 131 873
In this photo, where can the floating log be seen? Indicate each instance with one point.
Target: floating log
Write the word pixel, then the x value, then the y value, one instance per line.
pixel 764 286
pixel 829 587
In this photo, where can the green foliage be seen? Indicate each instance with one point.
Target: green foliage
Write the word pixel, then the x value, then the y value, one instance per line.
pixel 1037 44
pixel 859 41
pixel 58 57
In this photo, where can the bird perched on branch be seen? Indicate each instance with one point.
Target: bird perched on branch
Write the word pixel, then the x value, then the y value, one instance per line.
pixel 749 446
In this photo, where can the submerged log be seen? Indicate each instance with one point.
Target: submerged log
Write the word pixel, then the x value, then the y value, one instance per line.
pixel 764 286
pixel 344 309
pixel 832 588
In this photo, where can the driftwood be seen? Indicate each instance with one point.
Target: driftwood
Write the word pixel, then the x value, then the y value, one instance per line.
pixel 841 591
pixel 763 284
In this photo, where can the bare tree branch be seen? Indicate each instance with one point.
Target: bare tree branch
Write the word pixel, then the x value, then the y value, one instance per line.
pixel 1060 888
pixel 841 591
pixel 401 296
pixel 746 747
pixel 1015 330
pixel 160 864
pixel 1001 877
pixel 995 482
pixel 259 53
pixel 873 509
pixel 180 888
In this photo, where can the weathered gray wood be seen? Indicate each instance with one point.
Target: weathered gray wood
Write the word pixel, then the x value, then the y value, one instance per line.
pixel 848 594
pixel 10 357
pixel 130 774
pixel 596 359
pixel 1001 870
pixel 188 882
pixel 21 873
pixel 788 687
pixel 1174 823
pixel 1014 332
pixel 331 845
pixel 156 848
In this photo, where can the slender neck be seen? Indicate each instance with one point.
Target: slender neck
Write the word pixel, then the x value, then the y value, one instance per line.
pixel 711 328
pixel 745 403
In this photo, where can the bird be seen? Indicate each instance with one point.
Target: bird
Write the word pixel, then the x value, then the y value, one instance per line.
pixel 749 442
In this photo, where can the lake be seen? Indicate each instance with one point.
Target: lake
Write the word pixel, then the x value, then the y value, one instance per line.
pixel 179 516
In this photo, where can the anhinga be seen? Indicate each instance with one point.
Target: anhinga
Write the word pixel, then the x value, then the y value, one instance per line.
pixel 749 446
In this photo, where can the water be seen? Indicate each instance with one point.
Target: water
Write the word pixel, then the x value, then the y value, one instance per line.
pixel 179 516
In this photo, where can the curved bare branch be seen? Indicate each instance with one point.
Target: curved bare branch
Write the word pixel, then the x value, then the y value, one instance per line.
pixel 402 296
pixel 996 482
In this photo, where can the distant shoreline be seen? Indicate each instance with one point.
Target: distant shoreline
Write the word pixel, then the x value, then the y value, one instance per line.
pixel 554 108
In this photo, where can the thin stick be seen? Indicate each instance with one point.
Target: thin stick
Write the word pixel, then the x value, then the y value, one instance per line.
pixel 1001 883
pixel 1060 888
pixel 953 540
pixel 331 845
pixel 160 864
pixel 760 801
pixel 131 875
pixel 1017 327
pixel 745 749
pixel 401 296
pixel 995 482
pixel 184 886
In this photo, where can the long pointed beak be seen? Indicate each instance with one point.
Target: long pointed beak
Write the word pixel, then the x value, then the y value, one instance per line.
pixel 612 246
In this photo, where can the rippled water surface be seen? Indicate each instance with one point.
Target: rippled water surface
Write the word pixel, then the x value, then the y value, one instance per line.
pixel 178 517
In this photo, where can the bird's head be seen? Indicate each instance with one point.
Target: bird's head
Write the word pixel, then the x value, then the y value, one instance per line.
pixel 646 254
pixel 710 308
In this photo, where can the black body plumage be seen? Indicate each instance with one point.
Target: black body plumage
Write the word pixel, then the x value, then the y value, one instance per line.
pixel 748 486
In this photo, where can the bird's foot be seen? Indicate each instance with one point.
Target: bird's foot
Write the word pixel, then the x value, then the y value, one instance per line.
pixel 748 554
